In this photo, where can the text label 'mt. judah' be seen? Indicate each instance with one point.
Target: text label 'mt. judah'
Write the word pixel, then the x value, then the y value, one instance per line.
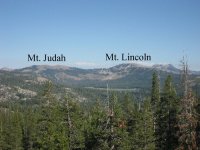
pixel 47 58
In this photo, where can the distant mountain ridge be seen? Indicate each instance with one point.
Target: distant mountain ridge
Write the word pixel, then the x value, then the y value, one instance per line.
pixel 120 76
pixel 158 67
pixel 28 81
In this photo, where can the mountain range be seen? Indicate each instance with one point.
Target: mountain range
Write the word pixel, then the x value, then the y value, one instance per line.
pixel 28 81
pixel 119 76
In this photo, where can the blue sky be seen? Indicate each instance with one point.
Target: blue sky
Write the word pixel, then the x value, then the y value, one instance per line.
pixel 84 30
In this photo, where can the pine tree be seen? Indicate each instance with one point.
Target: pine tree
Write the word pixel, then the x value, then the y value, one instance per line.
pixel 128 108
pixel 143 136
pixel 74 119
pixel 28 122
pixel 155 91
pixel 96 133
pixel 11 133
pixel 47 134
pixel 186 118
pixel 168 112
pixel 129 116
pixel 155 103
pixel 117 136
pixel 198 124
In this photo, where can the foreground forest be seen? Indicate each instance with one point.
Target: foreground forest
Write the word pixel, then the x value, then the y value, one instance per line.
pixel 164 120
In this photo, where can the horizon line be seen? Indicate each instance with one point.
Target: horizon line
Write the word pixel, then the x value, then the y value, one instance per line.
pixel 95 67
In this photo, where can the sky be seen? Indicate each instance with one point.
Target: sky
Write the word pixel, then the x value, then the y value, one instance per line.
pixel 85 30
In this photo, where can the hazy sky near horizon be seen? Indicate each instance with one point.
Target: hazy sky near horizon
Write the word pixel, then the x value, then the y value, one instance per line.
pixel 85 30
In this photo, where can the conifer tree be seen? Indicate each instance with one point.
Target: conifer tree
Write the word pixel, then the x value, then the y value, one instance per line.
pixel 168 112
pixel 155 103
pixel 198 123
pixel 96 133
pixel 128 108
pixel 186 118
pixel 74 119
pixel 129 115
pixel 155 91
pixel 11 133
pixel 47 121
pixel 117 135
pixel 143 137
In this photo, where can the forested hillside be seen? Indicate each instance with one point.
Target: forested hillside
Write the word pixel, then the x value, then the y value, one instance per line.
pixel 120 76
pixel 56 118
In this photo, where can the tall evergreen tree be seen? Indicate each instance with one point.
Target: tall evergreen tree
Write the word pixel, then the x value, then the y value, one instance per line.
pixel 155 101
pixel 48 121
pixel 74 118
pixel 198 123
pixel 186 118
pixel 11 133
pixel 96 133
pixel 143 138
pixel 117 134
pixel 168 112
pixel 129 115
pixel 155 91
